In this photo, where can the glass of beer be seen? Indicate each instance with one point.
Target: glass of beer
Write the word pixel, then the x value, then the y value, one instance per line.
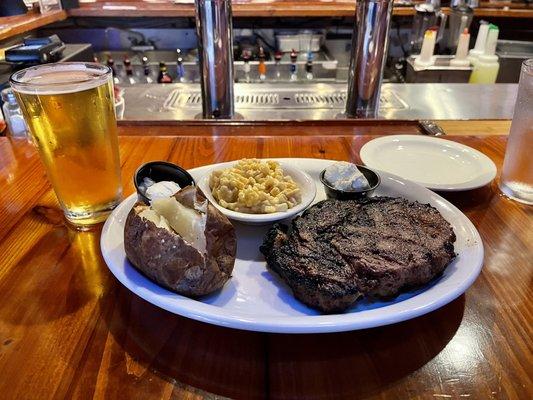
pixel 517 173
pixel 70 111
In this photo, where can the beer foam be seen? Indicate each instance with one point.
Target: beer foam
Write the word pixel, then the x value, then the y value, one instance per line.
pixel 60 78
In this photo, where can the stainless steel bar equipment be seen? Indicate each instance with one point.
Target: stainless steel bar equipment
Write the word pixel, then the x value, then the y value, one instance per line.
pixel 215 40
pixel 369 50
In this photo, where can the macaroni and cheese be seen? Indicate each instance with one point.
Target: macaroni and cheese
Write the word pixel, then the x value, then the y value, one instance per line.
pixel 255 187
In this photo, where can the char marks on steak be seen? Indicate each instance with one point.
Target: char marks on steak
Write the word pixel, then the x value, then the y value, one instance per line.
pixel 337 251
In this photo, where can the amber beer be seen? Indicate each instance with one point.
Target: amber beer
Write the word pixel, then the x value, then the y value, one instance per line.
pixel 69 109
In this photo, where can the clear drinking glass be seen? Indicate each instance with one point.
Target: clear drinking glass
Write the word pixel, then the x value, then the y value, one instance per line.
pixel 517 173
pixel 305 38
pixel 69 109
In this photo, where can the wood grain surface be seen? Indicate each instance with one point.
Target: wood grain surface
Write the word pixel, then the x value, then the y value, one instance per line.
pixel 19 24
pixel 268 128
pixel 475 127
pixel 68 329
pixel 305 128
pixel 271 8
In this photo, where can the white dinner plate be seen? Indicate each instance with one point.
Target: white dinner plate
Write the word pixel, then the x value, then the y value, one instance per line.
pixel 307 189
pixel 435 163
pixel 255 299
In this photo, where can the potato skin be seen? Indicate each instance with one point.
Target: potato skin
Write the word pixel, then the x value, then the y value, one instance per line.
pixel 167 259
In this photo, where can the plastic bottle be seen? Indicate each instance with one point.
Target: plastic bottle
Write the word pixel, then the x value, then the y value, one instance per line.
pixel 163 77
pixel 180 70
pixel 147 71
pixel 111 64
pixel 309 66
pixel 481 39
pixel 460 59
pixel 130 77
pixel 426 57
pixel 294 66
pixel 487 66
pixel 277 57
pixel 261 68
pixel 246 58
pixel 13 115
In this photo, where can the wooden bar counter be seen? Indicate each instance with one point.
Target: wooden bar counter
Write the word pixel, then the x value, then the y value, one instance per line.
pixel 272 8
pixel 69 329
pixel 20 24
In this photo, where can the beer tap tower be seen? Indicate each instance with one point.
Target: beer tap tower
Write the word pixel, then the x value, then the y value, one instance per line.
pixel 369 51
pixel 215 52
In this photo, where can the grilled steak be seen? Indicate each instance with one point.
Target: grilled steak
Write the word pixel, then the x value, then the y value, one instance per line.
pixel 338 251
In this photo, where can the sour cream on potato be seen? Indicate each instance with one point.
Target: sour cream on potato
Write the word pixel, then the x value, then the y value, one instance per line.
pixel 160 190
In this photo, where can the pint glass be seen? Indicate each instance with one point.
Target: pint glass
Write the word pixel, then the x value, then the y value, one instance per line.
pixel 517 172
pixel 69 109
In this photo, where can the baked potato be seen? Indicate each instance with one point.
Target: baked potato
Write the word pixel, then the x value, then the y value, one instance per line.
pixel 181 242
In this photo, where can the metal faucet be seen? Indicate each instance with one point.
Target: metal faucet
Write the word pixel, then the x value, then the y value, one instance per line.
pixel 369 49
pixel 215 53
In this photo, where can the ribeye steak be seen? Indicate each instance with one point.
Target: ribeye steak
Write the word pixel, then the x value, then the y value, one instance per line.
pixel 338 250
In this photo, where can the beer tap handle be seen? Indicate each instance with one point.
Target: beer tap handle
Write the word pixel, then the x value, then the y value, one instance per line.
pixel 277 57
pixel 262 69
pixel 309 65
pixel 294 66
pixel 180 70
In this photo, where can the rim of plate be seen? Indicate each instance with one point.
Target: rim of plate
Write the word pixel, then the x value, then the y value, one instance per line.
pixel 486 175
pixel 308 194
pixel 429 300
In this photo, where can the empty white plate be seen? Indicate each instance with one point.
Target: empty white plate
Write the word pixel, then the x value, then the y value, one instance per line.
pixel 432 162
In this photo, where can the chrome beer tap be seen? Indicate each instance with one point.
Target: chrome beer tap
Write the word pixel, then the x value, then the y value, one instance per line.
pixel 369 50
pixel 215 52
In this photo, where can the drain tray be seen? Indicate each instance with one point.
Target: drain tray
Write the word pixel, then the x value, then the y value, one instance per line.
pixel 299 99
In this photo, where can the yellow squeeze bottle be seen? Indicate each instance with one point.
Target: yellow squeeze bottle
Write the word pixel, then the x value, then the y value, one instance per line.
pixel 487 65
